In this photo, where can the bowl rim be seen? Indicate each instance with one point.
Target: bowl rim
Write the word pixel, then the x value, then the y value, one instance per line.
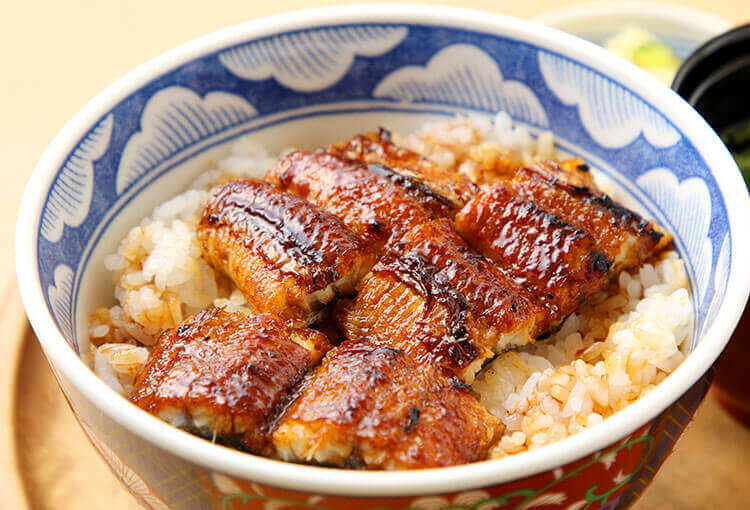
pixel 320 480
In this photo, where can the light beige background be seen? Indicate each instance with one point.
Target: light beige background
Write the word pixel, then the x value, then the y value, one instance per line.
pixel 56 55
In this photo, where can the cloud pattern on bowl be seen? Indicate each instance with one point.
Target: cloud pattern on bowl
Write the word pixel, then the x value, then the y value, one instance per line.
pixel 610 122
pixel 70 196
pixel 412 69
pixel 310 60
pixel 389 67
pixel 463 75
pixel 174 119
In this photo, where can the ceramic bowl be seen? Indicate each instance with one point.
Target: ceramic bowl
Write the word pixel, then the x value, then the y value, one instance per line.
pixel 305 78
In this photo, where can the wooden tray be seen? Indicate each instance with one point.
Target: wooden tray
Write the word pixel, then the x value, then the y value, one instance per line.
pixel 51 465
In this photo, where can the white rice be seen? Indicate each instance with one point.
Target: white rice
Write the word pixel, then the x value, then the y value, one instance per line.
pixel 158 271
pixel 473 146
pixel 606 355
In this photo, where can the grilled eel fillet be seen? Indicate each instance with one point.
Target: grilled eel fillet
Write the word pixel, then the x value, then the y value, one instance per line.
pixel 288 256
pixel 225 376
pixel 559 238
pixel 434 298
pixel 376 202
pixel 374 407
pixel 556 262
pixel 376 147
pixel 622 235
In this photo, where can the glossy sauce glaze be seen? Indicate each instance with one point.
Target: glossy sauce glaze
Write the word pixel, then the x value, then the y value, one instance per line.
pixel 225 375
pixel 374 407
pixel 621 234
pixel 555 261
pixel 449 268
pixel 376 147
pixel 375 202
pixel 434 297
pixel 450 343
pixel 278 248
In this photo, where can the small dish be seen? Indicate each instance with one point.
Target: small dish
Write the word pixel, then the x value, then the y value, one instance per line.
pixel 682 28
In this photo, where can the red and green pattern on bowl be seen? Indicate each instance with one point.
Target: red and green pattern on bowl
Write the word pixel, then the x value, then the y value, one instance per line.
pixel 611 478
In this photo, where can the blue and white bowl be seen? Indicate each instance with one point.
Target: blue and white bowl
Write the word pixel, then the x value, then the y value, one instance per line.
pixel 307 78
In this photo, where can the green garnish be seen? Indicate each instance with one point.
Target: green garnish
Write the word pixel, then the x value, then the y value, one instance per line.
pixel 646 51
pixel 655 54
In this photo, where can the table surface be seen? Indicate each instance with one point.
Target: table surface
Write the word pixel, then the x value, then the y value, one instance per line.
pixel 56 56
